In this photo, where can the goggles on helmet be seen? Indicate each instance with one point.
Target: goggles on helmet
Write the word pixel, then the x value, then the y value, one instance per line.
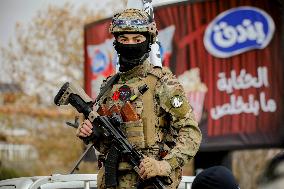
pixel 130 23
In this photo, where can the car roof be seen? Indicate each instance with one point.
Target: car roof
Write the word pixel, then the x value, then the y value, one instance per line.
pixel 18 183
pixel 64 181
pixel 46 182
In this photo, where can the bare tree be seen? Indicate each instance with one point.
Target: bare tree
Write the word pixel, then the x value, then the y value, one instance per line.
pixel 45 53
pixel 49 50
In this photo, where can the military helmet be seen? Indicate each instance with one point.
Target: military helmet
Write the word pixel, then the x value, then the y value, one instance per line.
pixel 134 20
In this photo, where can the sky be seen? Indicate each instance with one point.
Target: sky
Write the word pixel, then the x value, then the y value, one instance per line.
pixel 13 11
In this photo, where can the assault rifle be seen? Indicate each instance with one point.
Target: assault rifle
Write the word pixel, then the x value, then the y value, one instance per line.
pixel 106 127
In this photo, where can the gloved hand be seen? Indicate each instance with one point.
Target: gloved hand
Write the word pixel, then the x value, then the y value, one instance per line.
pixel 85 129
pixel 149 167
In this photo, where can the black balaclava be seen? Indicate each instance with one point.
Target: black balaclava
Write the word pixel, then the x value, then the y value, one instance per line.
pixel 216 177
pixel 131 55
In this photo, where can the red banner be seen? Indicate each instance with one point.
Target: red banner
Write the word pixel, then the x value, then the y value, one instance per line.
pixel 227 54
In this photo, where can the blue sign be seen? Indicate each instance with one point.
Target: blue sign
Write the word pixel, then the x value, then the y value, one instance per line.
pixel 99 62
pixel 238 30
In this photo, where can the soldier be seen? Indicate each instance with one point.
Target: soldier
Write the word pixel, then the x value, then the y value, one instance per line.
pixel 165 132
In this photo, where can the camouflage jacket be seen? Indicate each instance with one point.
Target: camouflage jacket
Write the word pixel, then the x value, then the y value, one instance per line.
pixel 178 132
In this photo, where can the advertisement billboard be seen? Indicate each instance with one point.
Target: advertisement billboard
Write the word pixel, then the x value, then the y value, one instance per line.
pixel 227 55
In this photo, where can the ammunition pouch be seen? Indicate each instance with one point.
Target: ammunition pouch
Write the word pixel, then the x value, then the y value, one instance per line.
pixel 134 132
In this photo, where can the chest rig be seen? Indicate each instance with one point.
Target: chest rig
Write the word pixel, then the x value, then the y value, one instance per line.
pixel 140 132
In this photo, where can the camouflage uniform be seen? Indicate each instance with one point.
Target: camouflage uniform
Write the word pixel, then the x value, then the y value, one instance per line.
pixel 166 120
pixel 166 123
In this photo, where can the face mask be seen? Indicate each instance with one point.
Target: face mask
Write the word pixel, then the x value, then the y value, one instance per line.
pixel 126 65
pixel 131 55
pixel 132 51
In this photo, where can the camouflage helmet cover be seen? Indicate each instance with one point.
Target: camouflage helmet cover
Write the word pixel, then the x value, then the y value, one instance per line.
pixel 133 20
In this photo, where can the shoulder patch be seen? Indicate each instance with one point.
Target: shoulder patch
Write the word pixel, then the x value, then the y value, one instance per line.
pixel 178 104
pixel 172 98
pixel 177 101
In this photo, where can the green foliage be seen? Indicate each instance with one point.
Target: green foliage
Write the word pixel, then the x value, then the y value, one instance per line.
pixel 7 173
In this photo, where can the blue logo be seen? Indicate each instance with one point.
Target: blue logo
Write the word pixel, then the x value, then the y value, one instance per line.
pixel 238 30
pixel 99 62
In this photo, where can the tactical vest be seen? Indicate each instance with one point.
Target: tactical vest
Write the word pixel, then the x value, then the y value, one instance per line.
pixel 141 133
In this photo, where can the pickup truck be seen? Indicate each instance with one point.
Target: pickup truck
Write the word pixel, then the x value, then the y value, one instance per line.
pixel 69 181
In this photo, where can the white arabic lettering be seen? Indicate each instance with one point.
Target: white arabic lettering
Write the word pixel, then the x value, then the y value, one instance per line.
pixel 237 105
pixel 243 81
pixel 226 35
pixel 270 106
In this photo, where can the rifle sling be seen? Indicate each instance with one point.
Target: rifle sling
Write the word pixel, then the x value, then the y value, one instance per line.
pixel 109 84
